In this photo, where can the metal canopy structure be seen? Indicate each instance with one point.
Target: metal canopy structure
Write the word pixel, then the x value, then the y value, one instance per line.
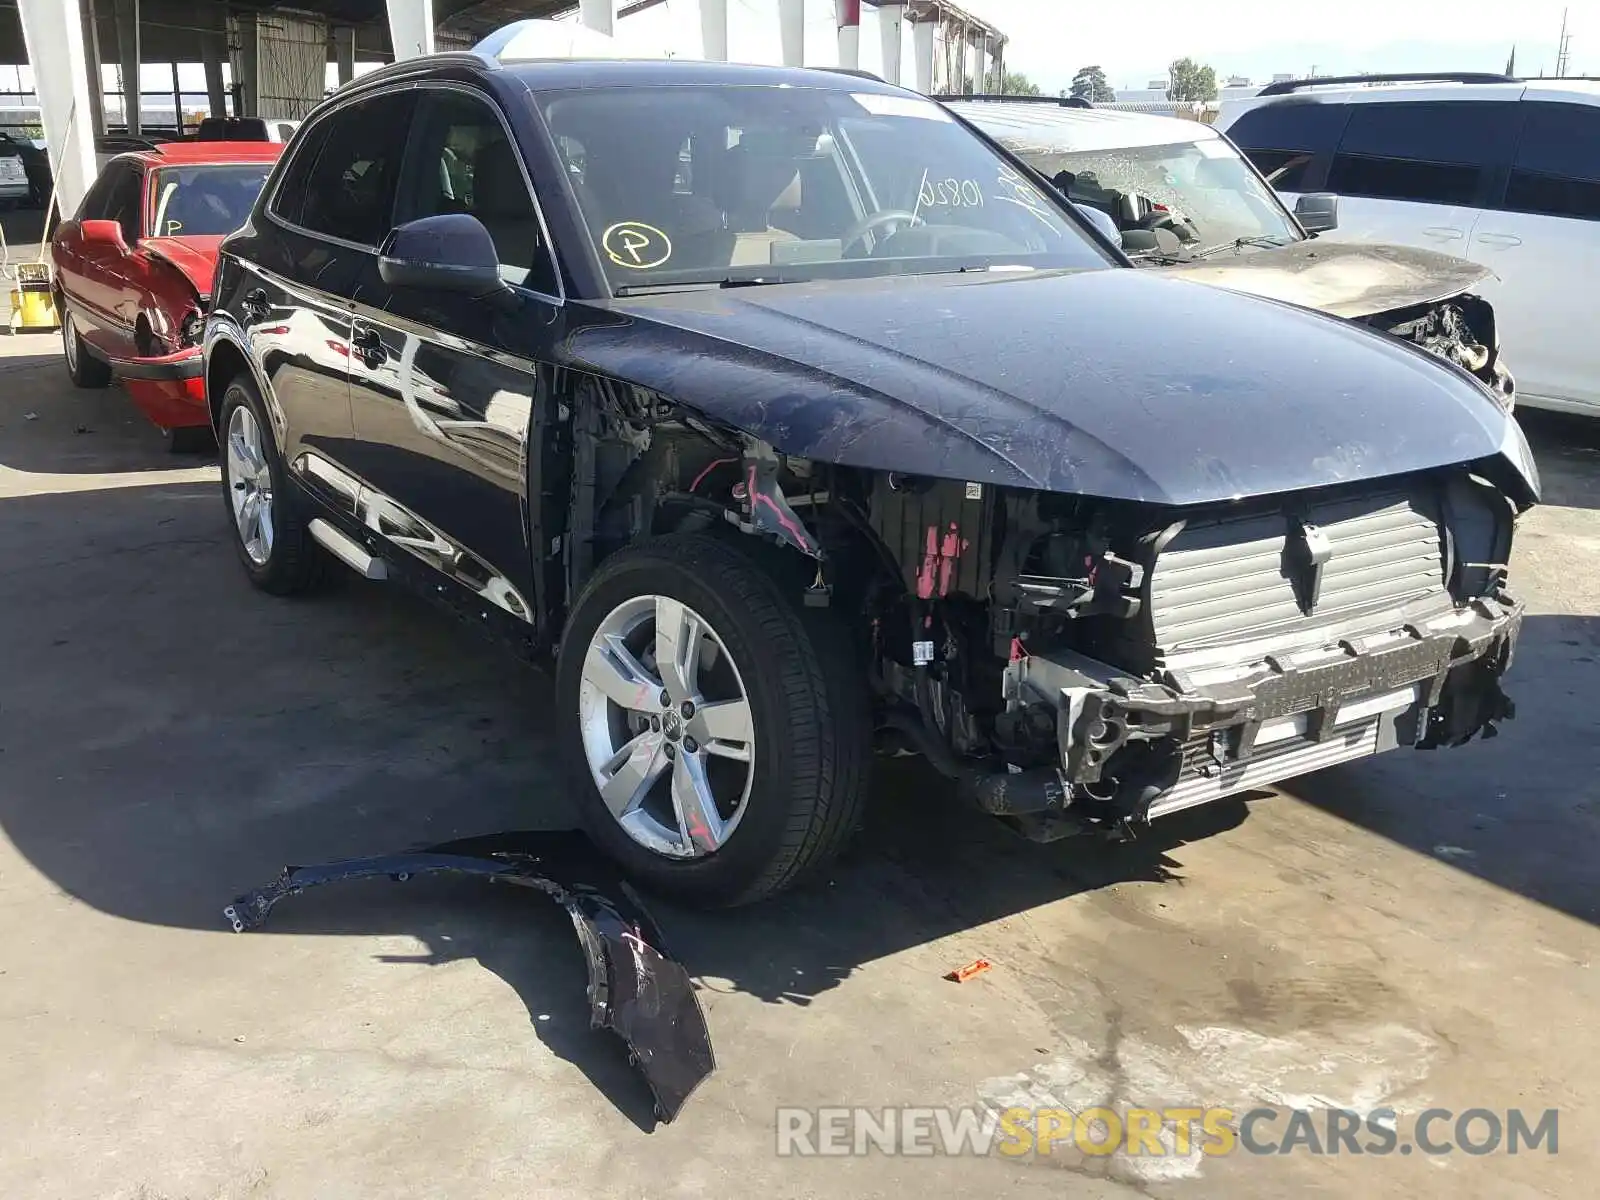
pixel 277 51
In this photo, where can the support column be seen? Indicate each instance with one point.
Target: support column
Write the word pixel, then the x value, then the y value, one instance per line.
pixel 92 70
pixel 411 27
pixel 247 82
pixel 52 30
pixel 792 32
pixel 344 52
pixel 891 17
pixel 849 33
pixel 975 56
pixel 596 14
pixel 213 49
pixel 128 55
pixel 714 30
pixel 922 39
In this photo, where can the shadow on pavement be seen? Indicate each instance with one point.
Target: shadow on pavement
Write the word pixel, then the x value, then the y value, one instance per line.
pixel 1567 448
pixel 49 427
pixel 171 738
pixel 1521 810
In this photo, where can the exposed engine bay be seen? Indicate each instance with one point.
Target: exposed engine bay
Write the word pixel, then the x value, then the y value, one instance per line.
pixel 1076 663
pixel 1460 330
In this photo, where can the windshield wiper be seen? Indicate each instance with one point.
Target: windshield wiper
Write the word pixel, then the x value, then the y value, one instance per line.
pixel 641 289
pixel 1263 239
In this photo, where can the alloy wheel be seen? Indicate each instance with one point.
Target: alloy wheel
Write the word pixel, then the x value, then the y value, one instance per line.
pixel 666 724
pixel 249 485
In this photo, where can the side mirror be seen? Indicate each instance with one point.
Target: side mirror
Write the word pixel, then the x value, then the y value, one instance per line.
pixel 451 252
pixel 1318 211
pixel 1140 241
pixel 103 233
pixel 1100 220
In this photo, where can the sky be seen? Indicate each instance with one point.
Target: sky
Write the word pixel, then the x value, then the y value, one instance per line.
pixel 1051 39
pixel 1134 43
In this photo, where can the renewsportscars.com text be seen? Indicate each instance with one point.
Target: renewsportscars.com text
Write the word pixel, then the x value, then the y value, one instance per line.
pixel 1163 1132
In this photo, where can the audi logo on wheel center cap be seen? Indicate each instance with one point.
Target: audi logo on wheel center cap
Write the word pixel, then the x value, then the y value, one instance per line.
pixel 672 724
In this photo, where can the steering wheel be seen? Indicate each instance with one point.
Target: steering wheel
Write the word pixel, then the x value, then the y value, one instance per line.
pixel 887 216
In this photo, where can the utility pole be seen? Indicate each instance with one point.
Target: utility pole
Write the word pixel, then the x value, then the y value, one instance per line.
pixel 1563 48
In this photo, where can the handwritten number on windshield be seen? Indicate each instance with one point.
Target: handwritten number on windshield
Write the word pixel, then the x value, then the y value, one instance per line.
pixel 1011 188
pixel 949 193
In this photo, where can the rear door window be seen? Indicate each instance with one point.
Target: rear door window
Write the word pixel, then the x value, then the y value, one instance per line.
pixel 1285 139
pixel 1425 151
pixel 1557 168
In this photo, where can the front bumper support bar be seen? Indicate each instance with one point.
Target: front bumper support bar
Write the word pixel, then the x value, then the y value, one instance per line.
pixel 1129 740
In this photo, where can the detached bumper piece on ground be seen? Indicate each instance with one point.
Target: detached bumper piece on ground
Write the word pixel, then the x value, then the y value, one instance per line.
pixel 635 989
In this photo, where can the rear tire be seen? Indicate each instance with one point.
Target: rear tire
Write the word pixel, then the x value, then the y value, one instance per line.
pixel 86 370
pixel 806 737
pixel 279 554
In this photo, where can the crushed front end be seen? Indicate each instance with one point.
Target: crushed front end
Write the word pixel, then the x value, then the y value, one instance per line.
pixel 1080 663
pixel 1460 330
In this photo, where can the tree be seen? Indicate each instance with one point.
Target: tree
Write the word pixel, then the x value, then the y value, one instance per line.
pixel 1191 81
pixel 1014 83
pixel 1090 84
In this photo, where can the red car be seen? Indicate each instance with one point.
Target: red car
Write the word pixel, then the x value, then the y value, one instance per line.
pixel 133 273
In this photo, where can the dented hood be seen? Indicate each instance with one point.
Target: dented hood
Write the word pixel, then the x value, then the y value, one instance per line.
pixel 1346 279
pixel 1118 383
pixel 196 257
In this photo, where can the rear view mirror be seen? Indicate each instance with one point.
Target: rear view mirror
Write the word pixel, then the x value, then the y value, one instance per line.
pixel 452 252
pixel 1318 211
pixel 103 233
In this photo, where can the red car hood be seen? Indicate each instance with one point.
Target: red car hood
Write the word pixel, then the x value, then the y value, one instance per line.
pixel 196 257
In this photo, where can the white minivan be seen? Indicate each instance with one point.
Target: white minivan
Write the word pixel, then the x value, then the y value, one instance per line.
pixel 1500 171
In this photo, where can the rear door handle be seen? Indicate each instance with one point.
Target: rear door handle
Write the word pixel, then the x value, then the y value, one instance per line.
pixel 255 304
pixel 1499 239
pixel 1445 233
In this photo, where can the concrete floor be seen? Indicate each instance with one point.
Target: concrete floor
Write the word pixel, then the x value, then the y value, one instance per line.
pixel 1418 930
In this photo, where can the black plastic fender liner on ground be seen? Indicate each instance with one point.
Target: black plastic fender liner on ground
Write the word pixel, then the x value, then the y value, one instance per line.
pixel 635 988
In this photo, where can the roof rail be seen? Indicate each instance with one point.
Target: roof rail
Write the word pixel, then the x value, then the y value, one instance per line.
pixel 1059 101
pixel 856 71
pixel 1285 86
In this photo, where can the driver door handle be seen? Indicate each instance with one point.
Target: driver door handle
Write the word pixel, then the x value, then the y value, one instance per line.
pixel 1445 233
pixel 1499 239
pixel 367 343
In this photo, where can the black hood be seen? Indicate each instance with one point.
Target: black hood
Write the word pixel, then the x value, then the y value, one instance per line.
pixel 1347 279
pixel 1115 383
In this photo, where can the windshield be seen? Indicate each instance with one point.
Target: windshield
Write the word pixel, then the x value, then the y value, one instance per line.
pixel 213 199
pixel 700 185
pixel 1193 196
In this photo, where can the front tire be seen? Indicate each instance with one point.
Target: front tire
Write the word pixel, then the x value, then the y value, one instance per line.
pixel 86 370
pixel 718 737
pixel 279 554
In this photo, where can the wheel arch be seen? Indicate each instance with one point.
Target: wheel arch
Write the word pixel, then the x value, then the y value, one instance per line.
pixel 225 361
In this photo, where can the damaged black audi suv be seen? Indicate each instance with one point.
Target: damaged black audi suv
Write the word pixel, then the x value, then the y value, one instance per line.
pixel 792 419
